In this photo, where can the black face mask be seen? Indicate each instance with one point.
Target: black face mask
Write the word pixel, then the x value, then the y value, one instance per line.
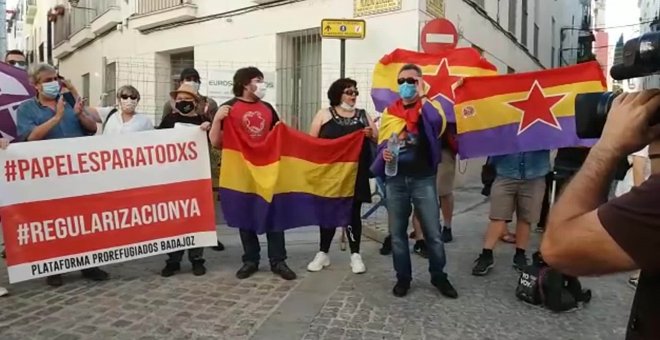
pixel 186 106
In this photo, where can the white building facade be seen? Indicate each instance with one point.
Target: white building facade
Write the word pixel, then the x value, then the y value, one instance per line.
pixel 103 44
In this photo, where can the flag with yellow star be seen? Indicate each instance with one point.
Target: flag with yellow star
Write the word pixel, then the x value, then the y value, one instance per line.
pixel 441 72
pixel 523 112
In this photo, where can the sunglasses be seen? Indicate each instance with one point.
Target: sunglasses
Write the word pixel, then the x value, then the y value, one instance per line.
pixel 352 93
pixel 125 96
pixel 16 62
pixel 406 80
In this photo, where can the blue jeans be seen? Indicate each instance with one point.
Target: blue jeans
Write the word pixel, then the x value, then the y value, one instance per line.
pixel 420 192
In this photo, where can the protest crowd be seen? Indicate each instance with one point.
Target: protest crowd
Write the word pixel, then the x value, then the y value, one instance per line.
pixel 411 149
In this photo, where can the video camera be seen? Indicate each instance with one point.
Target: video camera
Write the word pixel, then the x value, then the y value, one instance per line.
pixel 641 58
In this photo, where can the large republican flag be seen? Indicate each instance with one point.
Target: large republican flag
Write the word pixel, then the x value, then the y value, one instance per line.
pixel 14 89
pixel 441 72
pixel 523 112
pixel 288 180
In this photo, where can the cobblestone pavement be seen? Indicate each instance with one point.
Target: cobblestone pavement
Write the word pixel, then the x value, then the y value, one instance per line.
pixel 333 304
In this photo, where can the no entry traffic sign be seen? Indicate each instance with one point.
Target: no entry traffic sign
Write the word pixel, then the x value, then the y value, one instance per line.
pixel 439 35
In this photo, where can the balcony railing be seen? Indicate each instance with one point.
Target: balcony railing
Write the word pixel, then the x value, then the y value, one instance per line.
pixel 148 6
pixel 62 28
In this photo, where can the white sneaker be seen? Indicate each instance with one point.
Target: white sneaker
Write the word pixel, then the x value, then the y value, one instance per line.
pixel 320 261
pixel 3 291
pixel 357 265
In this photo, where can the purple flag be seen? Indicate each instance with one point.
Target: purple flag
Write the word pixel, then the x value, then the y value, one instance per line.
pixel 15 88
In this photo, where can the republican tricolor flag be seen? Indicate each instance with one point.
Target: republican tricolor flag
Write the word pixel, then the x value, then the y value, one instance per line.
pixel 523 112
pixel 440 72
pixel 289 180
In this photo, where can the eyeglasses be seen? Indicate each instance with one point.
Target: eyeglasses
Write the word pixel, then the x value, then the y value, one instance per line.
pixel 16 62
pixel 352 93
pixel 406 80
pixel 126 96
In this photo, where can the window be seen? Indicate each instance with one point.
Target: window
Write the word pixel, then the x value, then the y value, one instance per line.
pixel 512 16
pixel 536 40
pixel 552 57
pixel 110 85
pixel 554 40
pixel 523 29
pixel 85 86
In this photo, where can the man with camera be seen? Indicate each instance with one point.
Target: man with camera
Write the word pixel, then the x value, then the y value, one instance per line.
pixel 586 237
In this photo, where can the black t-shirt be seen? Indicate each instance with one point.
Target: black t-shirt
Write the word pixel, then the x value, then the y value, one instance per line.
pixel 633 221
pixel 417 163
pixel 173 118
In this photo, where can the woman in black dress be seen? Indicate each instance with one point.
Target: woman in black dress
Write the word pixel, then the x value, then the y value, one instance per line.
pixel 340 119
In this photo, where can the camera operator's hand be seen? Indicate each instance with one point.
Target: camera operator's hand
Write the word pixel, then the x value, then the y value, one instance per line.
pixel 627 129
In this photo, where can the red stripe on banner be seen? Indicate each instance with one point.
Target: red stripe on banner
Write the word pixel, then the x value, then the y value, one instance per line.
pixel 288 142
pixel 465 56
pixel 75 225
pixel 474 88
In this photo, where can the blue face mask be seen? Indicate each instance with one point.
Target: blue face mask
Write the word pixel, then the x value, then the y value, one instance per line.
pixel 51 89
pixel 407 91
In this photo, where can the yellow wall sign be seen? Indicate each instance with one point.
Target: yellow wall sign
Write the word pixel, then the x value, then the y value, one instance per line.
pixel 370 7
pixel 436 8
pixel 343 29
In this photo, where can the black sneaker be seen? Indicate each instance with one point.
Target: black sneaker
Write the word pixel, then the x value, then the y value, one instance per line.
pixel 386 249
pixel 247 270
pixel 446 235
pixel 520 261
pixel 283 271
pixel 483 265
pixel 54 280
pixel 219 247
pixel 170 269
pixel 401 288
pixel 198 268
pixel 95 274
pixel 420 249
pixel 445 287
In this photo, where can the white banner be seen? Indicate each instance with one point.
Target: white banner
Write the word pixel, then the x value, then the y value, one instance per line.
pixel 218 85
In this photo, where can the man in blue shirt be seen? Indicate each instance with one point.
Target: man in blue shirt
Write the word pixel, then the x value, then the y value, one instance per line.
pixel 519 186
pixel 47 116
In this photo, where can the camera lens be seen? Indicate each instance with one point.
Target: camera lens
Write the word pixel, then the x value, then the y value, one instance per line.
pixel 591 113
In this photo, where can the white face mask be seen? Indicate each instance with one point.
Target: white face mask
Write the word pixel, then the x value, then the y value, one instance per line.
pixel 261 90
pixel 128 105
pixel 347 107
pixel 194 84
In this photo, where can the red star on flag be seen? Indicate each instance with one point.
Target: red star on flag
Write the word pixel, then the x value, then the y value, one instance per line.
pixel 537 108
pixel 441 82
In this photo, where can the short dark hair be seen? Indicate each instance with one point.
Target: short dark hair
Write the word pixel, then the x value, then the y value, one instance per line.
pixel 337 89
pixel 243 77
pixel 414 67
pixel 14 52
pixel 189 73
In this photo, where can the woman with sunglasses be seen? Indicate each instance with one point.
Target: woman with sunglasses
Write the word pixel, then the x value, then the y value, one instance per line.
pixel 340 119
pixel 123 118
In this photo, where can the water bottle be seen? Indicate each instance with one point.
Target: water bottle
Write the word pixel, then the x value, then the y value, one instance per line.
pixel 392 167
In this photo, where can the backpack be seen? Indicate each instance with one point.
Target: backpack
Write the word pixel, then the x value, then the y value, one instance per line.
pixel 541 285
pixel 112 112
